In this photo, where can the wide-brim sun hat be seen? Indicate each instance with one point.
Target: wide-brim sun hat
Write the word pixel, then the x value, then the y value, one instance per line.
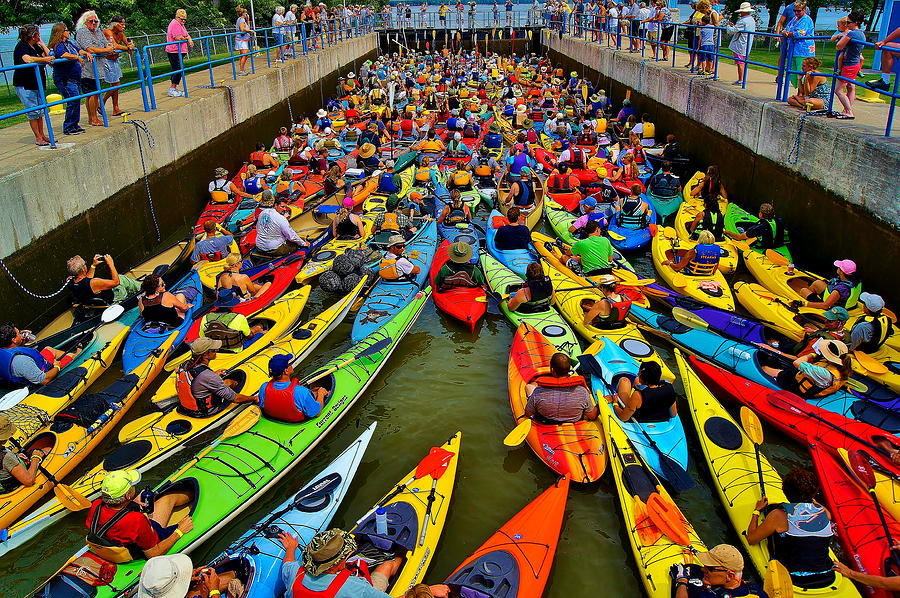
pixel 367 150
pixel 831 350
pixel 326 550
pixel 321 113
pixel 166 576
pixel 745 7
pixel 460 252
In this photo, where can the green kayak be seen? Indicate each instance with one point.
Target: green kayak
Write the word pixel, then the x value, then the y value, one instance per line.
pixel 233 473
pixel 550 323
pixel 737 219
pixel 560 220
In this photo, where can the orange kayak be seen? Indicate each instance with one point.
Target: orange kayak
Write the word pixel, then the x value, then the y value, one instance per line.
pixel 515 562
pixel 575 450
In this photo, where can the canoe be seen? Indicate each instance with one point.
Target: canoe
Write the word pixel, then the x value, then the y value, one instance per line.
pixel 278 446
pixel 549 323
pixel 874 403
pixel 634 238
pixel 731 458
pixel 532 217
pixel 145 337
pixel 387 298
pixel 515 562
pixel 256 558
pixel 466 304
pixel 574 450
pixel 712 289
pixel 636 486
pixel 667 435
pixel 409 534
pixel 573 302
pixel 737 219
pixel 516 260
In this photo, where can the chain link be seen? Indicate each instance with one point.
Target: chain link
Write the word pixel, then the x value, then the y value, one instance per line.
pixel 139 127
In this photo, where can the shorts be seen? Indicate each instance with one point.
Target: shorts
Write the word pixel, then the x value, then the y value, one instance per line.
pixel 851 71
pixel 706 52
pixel 30 99
pixel 66 360
pixel 635 28
pixel 738 56
pixel 379 581
pixel 652 35
pixel 242 45
pixel 162 532
pixel 667 33
pixel 112 72
pixel 89 85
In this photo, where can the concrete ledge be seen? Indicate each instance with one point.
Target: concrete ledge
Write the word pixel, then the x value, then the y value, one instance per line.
pixel 41 190
pixel 854 161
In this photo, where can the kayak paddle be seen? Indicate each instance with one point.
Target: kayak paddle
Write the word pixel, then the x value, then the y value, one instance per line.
pixel 647 531
pixel 776 258
pixel 13 398
pixel 435 475
pixel 635 283
pixel 743 244
pixel 667 518
pixel 862 471
pixel 370 350
pixel 615 236
pixel 518 434
pixel 777 580
pixel 245 420
pixel 870 364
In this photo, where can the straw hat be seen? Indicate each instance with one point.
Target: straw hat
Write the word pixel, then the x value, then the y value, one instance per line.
pixel 832 351
pixel 460 252
pixel 745 7
pixel 367 150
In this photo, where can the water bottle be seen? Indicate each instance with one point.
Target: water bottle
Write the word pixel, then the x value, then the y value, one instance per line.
pixel 28 336
pixel 381 521
pixel 790 269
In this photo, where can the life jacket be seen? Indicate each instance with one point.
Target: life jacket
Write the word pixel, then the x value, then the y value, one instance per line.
pixel 562 182
pixel 531 136
pixel 618 311
pixel 656 403
pixel 649 131
pixel 219 326
pixel 221 192
pixel 86 296
pixel 519 161
pixel 111 550
pixel 846 289
pixel 883 328
pixel 804 546
pixel 423 174
pixel 554 382
pixel 155 311
pixel 541 292
pixel 406 125
pixel 391 222
pixel 705 262
pixel 278 403
pixel 184 387
pixel 462 178
pixel 577 159
pixel 256 158
pixel 433 146
pixel 714 222
pixel 6 357
pixel 774 235
pixel 631 216
pixel 253 185
pixel 347 229
pixel 525 195
pixel 809 389
pixel 664 185
pixel 601 125
pixel 387 269
pixel 483 169
pixel 386 183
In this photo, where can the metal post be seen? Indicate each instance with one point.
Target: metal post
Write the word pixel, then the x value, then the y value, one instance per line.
pixel 140 70
pixel 231 56
pixel 890 120
pixel 43 98
pixel 149 80
pixel 717 38
pixel 183 72
pixel 212 81
pixel 99 94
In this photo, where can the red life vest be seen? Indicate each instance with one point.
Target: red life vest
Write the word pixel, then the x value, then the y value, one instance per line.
pixel 406 125
pixel 184 381
pixel 279 403
pixel 554 382
pixel 256 158
pixel 301 591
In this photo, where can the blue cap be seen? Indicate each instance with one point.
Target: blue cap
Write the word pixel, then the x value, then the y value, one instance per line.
pixel 589 202
pixel 279 363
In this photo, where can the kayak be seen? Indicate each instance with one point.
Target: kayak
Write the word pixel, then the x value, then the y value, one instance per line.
pixel 466 304
pixel 467 232
pixel 573 303
pixel 146 337
pixel 665 205
pixel 876 404
pixel 516 260
pixel 414 529
pixel 688 210
pixel 639 490
pixel 573 450
pixel 854 515
pixel 773 310
pixel 634 238
pixel 154 438
pixel 737 219
pixel 256 558
pixel 233 473
pixel 712 289
pixel 731 459
pixel 560 219
pixel 321 259
pixel 532 217
pixel 667 435
pixel 389 297
pixel 549 322
pixel 75 431
pixel 515 562
pixel 209 270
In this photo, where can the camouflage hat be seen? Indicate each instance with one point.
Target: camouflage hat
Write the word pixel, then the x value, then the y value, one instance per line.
pixel 326 550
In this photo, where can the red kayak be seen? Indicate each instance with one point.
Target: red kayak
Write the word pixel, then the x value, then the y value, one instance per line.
pixel 856 519
pixel 461 303
pixel 797 418
pixel 515 562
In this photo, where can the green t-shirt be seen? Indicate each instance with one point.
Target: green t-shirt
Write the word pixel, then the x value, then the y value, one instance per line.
pixel 596 252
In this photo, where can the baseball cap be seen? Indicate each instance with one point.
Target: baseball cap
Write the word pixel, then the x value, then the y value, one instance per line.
pixel 589 202
pixel 845 266
pixel 119 482
pixel 872 301
pixel 279 363
pixel 722 555
pixel 204 345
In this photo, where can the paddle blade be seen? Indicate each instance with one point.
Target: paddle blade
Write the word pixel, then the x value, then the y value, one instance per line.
pixel 71 499
pixel 777 583
pixel 371 350
pixel 668 519
pixel 245 420
pixel 674 473
pixel 518 434
pixel 679 280
pixel 615 236
pixel 112 313
pixel 689 318
pixel 437 457
pixel 871 364
pixel 776 258
pixel 647 532
pixel 173 364
pixel 861 469
pixel 751 425
pixel 13 398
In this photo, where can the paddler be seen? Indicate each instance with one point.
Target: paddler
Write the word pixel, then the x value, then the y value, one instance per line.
pixel 633 212
pixel 561 180
pixel 647 398
pixel 459 271
pixel 174 576
pixel 799 531
pixel 432 144
pixel 274 235
pixel 392 219
pixel 589 213
pixel 835 291
pixel 710 184
pixel 456 212
pixel 768 231
pixel 720 573
pixel 261 158
pixel 871 331
pixel 233 287
pixel 560 397
pixel 90 290
pixel 667 184
pixel 493 139
pixel 395 265
pixel 594 253
pixel 211 248
pixel 415 205
pixel 521 192
pixel 832 329
pixel 461 177
pixel 156 304
pixel 16 468
pixel 254 182
pixel 203 392
pixel 223 189
pixel 370 135
pixel 323 121
pixel 819 373
pixel 456 148
pixel 710 218
pixel 388 182
pixel 700 260
pixel 485 166
pixel 347 225
pixel 515 234
pixel 367 159
pixel 283 398
pixel 536 294
pixel 119 531
pixel 611 309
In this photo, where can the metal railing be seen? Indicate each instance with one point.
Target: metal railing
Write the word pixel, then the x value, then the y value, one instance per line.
pixel 465 20
pixel 613 38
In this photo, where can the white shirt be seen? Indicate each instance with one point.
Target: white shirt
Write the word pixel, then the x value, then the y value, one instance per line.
pixel 277 21
pixel 404 266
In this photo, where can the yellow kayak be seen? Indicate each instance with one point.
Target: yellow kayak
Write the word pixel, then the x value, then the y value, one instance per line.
pixel 322 259
pixel 688 210
pixel 533 217
pixel 697 287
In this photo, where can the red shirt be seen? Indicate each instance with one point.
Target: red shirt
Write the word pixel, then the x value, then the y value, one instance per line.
pixel 133 528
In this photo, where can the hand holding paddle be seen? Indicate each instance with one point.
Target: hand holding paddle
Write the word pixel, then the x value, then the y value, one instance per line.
pixel 68 497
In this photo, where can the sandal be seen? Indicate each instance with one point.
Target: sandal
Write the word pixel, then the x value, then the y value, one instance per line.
pixel 42 143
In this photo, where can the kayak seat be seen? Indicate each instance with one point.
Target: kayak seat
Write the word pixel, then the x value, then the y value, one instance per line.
pixel 876 415
pixel 671 325
pixel 402 527
pixel 494 574
pixel 636 478
pixel 65 383
pixel 121 388
pixel 128 454
pixel 67 586
pixel 723 433
pixel 83 412
pixel 187 485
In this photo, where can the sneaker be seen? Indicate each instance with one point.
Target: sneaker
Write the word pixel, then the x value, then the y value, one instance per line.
pixel 737 83
pixel 74 132
pixel 879 84
pixel 173 93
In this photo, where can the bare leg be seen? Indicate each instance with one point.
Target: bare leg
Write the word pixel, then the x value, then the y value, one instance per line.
pixel 165 505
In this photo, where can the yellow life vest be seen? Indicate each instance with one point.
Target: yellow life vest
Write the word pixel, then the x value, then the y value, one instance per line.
pixel 601 125
pixel 391 222
pixel 461 178
pixel 433 146
pixel 219 196
pixel 423 173
pixel 809 389
pixel 387 269
pixel 649 131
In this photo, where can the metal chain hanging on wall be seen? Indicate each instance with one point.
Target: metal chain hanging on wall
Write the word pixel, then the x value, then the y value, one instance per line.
pixel 141 127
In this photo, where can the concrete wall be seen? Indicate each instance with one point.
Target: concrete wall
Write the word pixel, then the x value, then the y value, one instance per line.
pixel 39 198
pixel 856 163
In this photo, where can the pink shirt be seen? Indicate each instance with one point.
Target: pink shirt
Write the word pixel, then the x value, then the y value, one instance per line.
pixel 176 29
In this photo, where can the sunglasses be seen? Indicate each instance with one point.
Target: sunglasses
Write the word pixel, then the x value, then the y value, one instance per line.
pixel 93 20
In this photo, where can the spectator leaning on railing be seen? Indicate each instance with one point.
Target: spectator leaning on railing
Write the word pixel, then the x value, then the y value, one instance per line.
pixel 31 50
pixel 242 39
pixel 742 42
pixel 799 49
pixel 851 44
pixel 278 31
pixel 112 71
pixel 177 52
pixel 89 38
pixel 887 60
pixel 67 74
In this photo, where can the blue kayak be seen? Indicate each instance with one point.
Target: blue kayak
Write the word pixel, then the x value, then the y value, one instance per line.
pixel 516 260
pixel 668 435
pixel 256 557
pixel 635 238
pixel 388 297
pixel 877 405
pixel 146 337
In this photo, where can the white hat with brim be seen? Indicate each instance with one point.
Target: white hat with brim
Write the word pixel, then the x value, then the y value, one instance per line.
pixel 745 7
pixel 831 350
pixel 321 113
pixel 167 576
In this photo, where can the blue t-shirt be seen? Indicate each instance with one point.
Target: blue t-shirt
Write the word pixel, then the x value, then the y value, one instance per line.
pixel 219 244
pixel 69 69
pixel 853 49
pixel 303 398
pixel 707 33
pixel 801 27
pixel 354 587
